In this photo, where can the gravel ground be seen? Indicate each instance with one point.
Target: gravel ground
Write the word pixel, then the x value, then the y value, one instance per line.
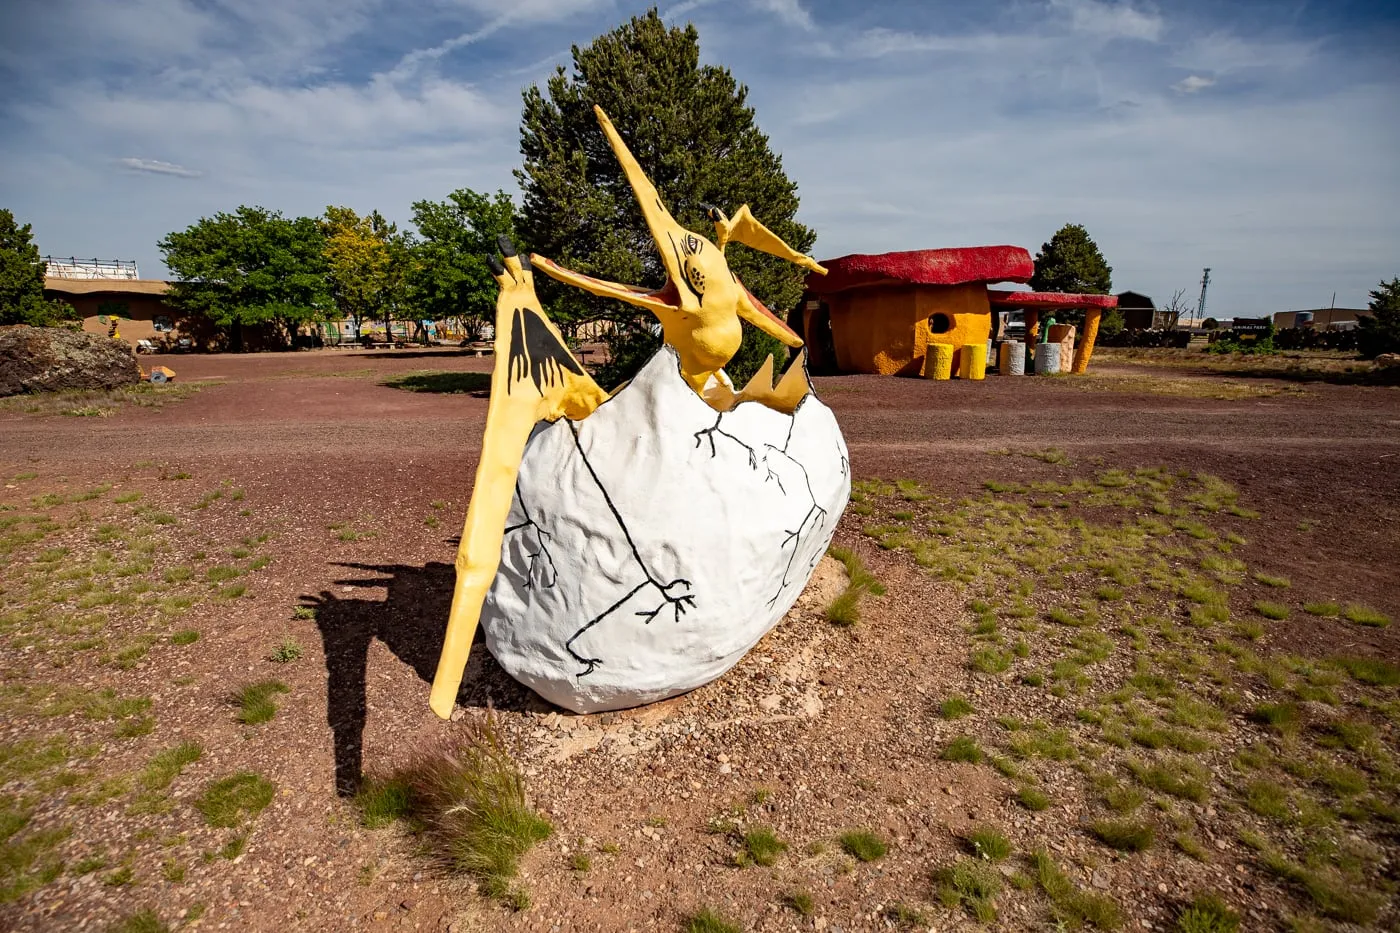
pixel 359 488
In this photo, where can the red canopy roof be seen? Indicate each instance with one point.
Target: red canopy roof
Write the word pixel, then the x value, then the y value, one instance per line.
pixel 1002 299
pixel 925 267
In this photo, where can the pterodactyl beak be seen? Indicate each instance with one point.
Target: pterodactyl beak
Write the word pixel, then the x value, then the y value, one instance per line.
pixel 669 235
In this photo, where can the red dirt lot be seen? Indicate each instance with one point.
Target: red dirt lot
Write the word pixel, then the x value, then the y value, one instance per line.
pixel 301 480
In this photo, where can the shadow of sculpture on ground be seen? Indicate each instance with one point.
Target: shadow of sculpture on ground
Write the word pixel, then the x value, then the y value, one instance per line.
pixel 410 621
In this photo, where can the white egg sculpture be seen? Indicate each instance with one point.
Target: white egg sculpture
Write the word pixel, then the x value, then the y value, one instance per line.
pixel 651 545
pixel 620 548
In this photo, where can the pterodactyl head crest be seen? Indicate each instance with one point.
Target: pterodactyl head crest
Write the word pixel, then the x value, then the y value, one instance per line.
pixel 699 281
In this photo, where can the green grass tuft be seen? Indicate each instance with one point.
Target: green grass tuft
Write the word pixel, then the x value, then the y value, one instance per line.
pixel 1327 609
pixel 185 637
pixel 1276 582
pixel 227 802
pixel 1281 717
pixel 989 843
pixel 1208 914
pixel 972 886
pixel 255 703
pixel 287 651
pixel 1267 798
pixel 1032 799
pixel 799 902
pixel 1365 615
pixel 863 846
pixel 1271 610
pixel 381 802
pixel 955 708
pixel 1372 671
pixel 1179 777
pixel 143 921
pixel 1073 908
pixel 1124 835
pixel 707 921
pixel 761 847
pixel 963 748
pixel 165 766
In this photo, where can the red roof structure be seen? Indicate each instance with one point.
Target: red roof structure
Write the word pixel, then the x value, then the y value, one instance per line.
pixel 1008 299
pixel 955 266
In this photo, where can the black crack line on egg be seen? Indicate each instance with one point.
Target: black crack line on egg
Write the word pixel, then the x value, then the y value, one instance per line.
pixel 815 514
pixel 548 576
pixel 679 604
pixel 709 435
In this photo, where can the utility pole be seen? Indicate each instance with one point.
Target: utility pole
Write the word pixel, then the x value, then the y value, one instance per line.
pixel 1201 308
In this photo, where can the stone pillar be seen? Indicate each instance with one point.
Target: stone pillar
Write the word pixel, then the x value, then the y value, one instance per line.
pixel 1086 342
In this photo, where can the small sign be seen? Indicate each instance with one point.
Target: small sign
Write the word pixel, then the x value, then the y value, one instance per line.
pixel 1251 325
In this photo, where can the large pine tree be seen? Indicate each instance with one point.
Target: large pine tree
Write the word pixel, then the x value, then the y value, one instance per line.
pixel 690 127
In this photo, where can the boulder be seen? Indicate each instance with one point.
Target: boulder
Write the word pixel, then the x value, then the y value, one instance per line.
pixel 652 544
pixel 48 359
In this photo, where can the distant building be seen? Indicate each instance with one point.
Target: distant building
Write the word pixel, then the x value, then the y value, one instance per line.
pixel 1141 313
pixel 881 313
pixel 1321 318
pixel 137 305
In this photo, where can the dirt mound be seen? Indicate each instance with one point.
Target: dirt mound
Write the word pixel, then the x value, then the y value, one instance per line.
pixel 47 359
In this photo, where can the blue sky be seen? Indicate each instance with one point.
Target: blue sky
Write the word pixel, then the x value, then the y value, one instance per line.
pixel 1261 139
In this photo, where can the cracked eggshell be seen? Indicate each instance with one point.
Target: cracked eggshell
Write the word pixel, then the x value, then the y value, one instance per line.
pixel 652 544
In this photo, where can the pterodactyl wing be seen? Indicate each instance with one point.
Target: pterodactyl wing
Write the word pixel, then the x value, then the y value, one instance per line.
pixel 535 379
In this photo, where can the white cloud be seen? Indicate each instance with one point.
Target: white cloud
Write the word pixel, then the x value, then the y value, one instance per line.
pixel 1117 19
pixel 789 11
pixel 1223 53
pixel 505 15
pixel 1193 83
pixel 157 167
pixel 878 42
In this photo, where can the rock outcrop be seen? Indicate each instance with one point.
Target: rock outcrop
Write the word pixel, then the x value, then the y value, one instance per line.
pixel 48 359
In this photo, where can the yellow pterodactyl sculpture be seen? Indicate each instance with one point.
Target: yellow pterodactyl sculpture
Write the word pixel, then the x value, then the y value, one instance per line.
pixel 536 378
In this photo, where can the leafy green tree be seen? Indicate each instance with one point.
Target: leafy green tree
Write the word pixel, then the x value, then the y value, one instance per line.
pixel 448 276
pixel 366 263
pixel 253 266
pixel 1380 333
pixel 22 298
pixel 692 130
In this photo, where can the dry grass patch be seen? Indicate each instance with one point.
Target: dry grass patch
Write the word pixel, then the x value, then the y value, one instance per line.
pixel 466 798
